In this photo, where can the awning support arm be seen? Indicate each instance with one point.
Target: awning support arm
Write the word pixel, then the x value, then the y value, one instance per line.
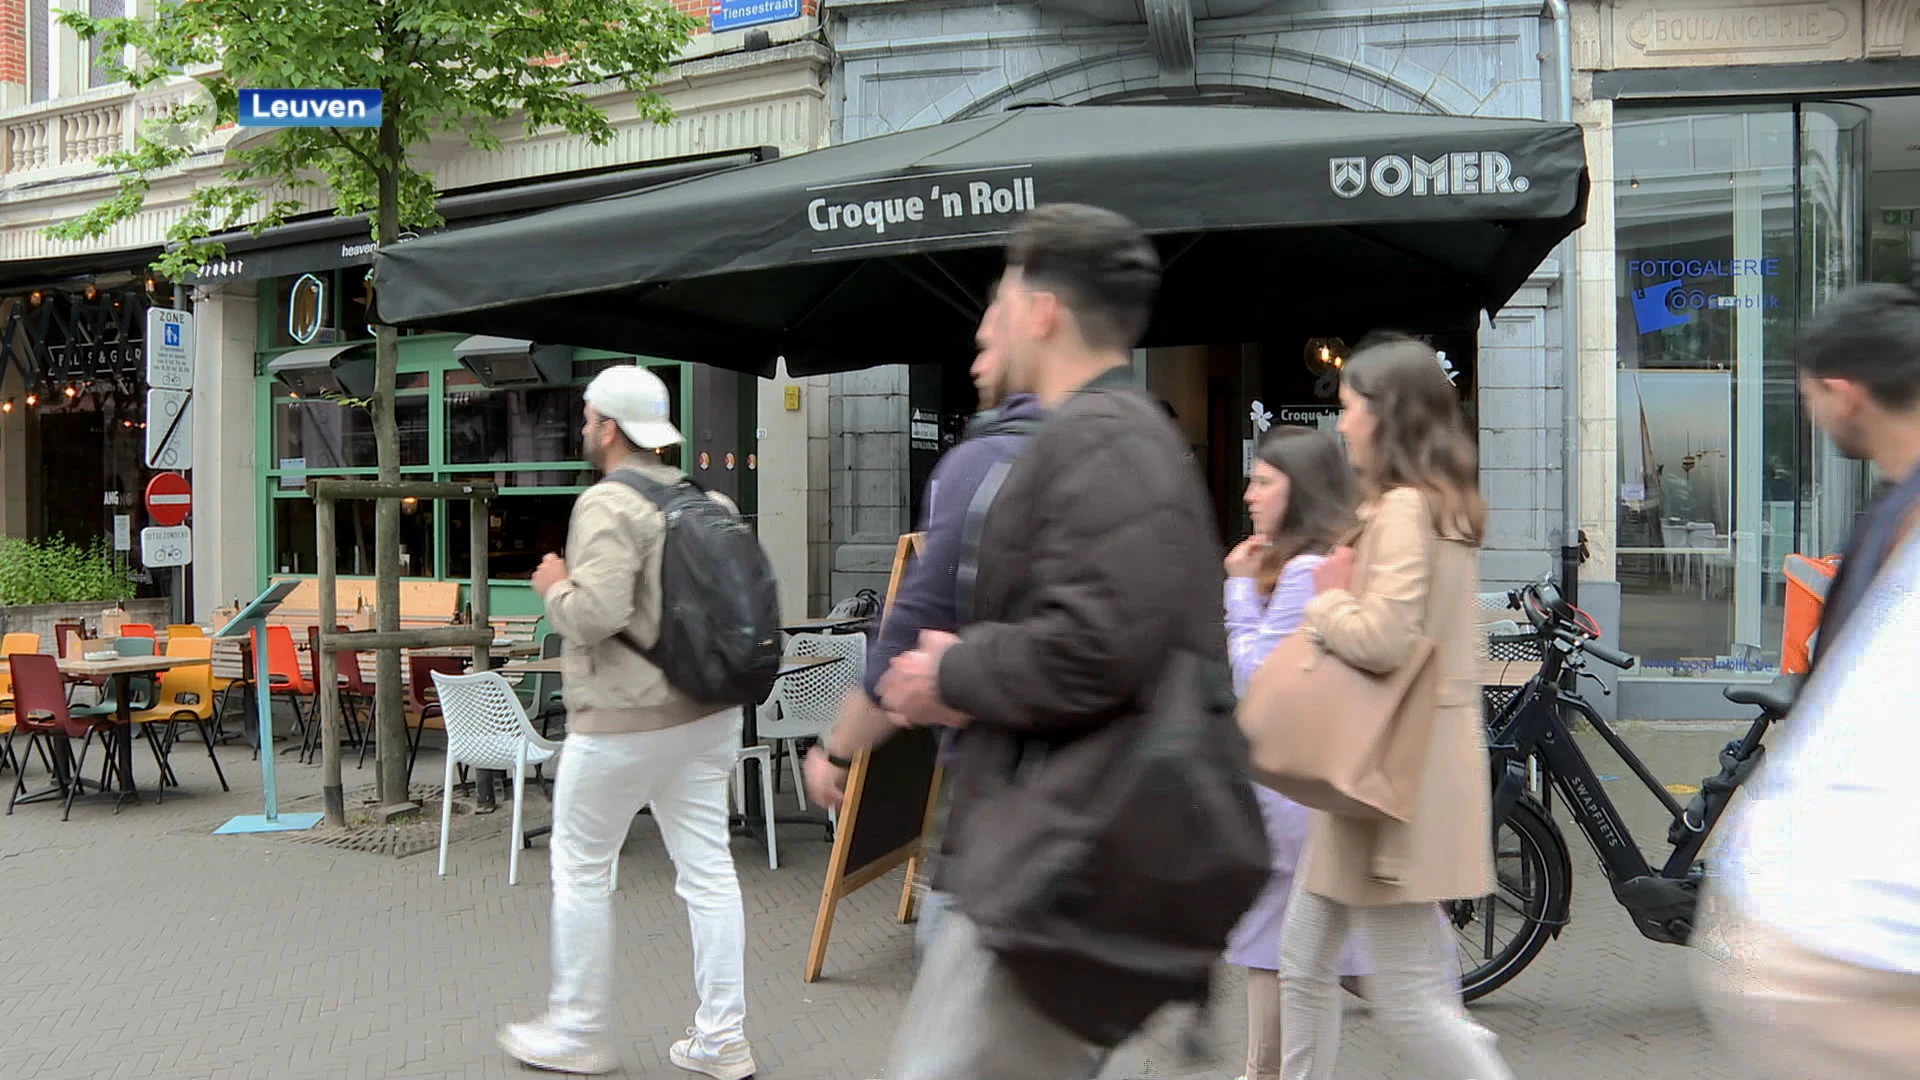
pixel 971 311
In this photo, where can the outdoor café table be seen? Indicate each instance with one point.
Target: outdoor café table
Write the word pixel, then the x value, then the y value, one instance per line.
pixel 828 624
pixel 498 650
pixel 121 670
pixel 744 823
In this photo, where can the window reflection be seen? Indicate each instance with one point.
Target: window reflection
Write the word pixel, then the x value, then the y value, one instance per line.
pixel 326 435
pixel 522 530
pixel 294 537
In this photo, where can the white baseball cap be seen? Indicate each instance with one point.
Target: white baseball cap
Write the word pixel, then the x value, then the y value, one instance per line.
pixel 636 399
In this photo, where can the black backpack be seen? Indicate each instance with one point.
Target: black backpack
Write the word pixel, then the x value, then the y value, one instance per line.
pixel 719 640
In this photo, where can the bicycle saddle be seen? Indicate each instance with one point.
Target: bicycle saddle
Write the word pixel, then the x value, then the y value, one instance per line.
pixel 1776 697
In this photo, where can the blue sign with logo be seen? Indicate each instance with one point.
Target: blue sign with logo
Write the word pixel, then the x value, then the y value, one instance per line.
pixel 740 14
pixel 1666 304
pixel 170 332
pixel 309 108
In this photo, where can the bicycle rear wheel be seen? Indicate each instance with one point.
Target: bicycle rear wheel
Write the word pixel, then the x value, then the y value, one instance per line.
pixel 1498 935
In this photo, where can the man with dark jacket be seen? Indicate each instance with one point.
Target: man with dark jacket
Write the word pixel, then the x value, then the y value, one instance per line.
pixel 1097 563
pixel 926 597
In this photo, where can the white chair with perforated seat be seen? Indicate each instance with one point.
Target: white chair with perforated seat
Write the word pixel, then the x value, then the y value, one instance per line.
pixel 487 729
pixel 764 756
pixel 809 698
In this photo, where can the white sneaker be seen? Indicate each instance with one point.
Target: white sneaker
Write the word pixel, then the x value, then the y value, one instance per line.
pixel 734 1061
pixel 541 1045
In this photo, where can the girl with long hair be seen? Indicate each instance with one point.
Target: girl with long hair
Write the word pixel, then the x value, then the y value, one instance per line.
pixel 1410 575
pixel 1301 500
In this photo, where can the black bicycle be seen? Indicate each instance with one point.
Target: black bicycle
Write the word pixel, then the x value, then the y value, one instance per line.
pixel 1534 754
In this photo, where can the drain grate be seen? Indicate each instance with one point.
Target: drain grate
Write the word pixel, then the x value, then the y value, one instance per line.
pixel 366 833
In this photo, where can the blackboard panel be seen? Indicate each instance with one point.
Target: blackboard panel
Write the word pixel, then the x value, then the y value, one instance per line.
pixel 893 798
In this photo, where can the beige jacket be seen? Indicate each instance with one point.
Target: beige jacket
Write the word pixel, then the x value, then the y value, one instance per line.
pixel 1408 583
pixel 614 545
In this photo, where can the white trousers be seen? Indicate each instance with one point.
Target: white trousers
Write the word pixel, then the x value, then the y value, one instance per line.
pixel 1414 990
pixel 604 780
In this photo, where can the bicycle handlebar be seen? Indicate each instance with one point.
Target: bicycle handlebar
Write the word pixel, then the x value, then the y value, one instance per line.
pixel 1623 661
pixel 1552 617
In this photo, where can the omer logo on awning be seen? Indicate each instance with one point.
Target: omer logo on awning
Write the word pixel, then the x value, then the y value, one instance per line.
pixel 1466 172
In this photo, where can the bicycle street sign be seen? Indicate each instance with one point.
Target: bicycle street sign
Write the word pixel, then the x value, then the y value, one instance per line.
pixel 170 429
pixel 169 349
pixel 166 546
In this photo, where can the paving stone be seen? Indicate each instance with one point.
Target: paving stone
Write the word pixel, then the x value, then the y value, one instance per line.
pixel 138 945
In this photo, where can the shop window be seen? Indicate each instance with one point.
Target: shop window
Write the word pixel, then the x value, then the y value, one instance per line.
pixel 1731 225
pixel 294 536
pixel 524 424
pixel 522 529
pixel 326 435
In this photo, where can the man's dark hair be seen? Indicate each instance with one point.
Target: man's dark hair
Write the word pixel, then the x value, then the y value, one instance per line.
pixel 1100 265
pixel 1869 334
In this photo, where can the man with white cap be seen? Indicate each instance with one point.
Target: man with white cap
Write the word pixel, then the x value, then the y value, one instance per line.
pixel 633 740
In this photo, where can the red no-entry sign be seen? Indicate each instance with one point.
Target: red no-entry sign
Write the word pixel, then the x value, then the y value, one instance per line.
pixel 168 499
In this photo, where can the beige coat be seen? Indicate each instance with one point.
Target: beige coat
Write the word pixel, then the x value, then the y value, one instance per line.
pixel 615 543
pixel 1408 583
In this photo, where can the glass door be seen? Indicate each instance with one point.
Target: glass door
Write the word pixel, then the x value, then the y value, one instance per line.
pixel 1834 231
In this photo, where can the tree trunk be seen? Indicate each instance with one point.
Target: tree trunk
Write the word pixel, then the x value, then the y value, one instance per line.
pixel 390 739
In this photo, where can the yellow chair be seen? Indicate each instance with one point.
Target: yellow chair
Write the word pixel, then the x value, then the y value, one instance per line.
pixel 10 644
pixel 185 630
pixel 186 697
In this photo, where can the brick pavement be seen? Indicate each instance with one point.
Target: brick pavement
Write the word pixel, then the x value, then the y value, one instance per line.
pixel 138 945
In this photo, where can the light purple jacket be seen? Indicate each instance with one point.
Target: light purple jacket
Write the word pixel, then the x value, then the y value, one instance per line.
pixel 1254 627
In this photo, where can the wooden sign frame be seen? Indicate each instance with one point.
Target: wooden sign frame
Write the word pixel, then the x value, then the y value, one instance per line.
pixel 839 884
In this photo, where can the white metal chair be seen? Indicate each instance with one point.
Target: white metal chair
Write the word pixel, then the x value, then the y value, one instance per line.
pixel 764 756
pixel 809 699
pixel 487 729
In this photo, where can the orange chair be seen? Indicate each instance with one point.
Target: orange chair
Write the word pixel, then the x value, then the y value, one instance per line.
pixel 1807 582
pixel 284 675
pixel 175 630
pixel 137 629
pixel 10 644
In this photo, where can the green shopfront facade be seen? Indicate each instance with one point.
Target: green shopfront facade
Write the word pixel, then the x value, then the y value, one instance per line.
pixel 524 438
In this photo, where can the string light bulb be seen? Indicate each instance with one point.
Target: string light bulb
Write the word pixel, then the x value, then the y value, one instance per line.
pixel 7 405
pixel 32 400
pixel 91 291
pixel 72 391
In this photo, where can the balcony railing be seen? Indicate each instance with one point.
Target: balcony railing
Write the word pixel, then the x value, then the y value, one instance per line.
pixel 64 138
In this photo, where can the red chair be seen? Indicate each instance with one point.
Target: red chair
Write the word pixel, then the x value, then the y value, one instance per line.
pixel 40 710
pixel 423 698
pixel 351 685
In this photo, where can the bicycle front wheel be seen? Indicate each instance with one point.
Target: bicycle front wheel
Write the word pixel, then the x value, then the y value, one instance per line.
pixel 1498 935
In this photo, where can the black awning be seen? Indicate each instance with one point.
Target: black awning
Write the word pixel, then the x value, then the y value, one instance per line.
pixel 328 242
pixel 879 251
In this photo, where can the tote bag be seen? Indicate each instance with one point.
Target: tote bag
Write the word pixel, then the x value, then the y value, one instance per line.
pixel 1332 737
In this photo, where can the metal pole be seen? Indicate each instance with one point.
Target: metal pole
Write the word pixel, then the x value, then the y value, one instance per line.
pixel 264 705
pixel 179 574
pixel 1570 339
